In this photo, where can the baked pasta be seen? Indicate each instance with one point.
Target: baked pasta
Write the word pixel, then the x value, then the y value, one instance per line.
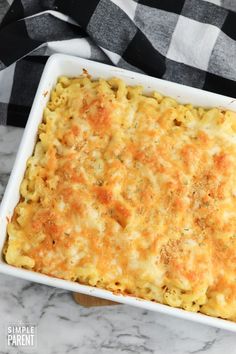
pixel 132 193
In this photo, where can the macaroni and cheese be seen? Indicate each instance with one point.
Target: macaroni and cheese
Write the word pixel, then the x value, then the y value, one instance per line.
pixel 132 193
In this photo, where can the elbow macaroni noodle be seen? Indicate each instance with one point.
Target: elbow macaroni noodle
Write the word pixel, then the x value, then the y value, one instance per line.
pixel 131 193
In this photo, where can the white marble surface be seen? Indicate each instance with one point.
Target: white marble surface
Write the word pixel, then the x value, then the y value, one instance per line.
pixel 64 327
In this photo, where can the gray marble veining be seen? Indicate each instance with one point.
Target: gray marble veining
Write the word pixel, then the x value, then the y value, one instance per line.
pixel 64 327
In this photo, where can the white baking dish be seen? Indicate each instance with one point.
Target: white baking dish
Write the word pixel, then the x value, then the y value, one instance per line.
pixel 59 65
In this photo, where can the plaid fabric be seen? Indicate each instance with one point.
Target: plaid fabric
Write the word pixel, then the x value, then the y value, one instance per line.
pixel 192 42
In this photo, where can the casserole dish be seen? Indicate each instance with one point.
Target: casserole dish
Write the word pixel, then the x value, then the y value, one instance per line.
pixel 59 65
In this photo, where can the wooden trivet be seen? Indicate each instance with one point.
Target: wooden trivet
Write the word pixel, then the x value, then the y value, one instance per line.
pixel 90 301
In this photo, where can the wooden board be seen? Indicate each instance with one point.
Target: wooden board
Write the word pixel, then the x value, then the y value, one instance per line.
pixel 90 301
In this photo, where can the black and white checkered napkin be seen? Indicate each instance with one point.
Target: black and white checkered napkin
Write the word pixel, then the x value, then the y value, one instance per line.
pixel 192 42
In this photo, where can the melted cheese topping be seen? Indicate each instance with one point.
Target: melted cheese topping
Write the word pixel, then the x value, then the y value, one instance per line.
pixel 132 193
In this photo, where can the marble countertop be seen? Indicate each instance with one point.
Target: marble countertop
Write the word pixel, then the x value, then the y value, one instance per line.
pixel 65 327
